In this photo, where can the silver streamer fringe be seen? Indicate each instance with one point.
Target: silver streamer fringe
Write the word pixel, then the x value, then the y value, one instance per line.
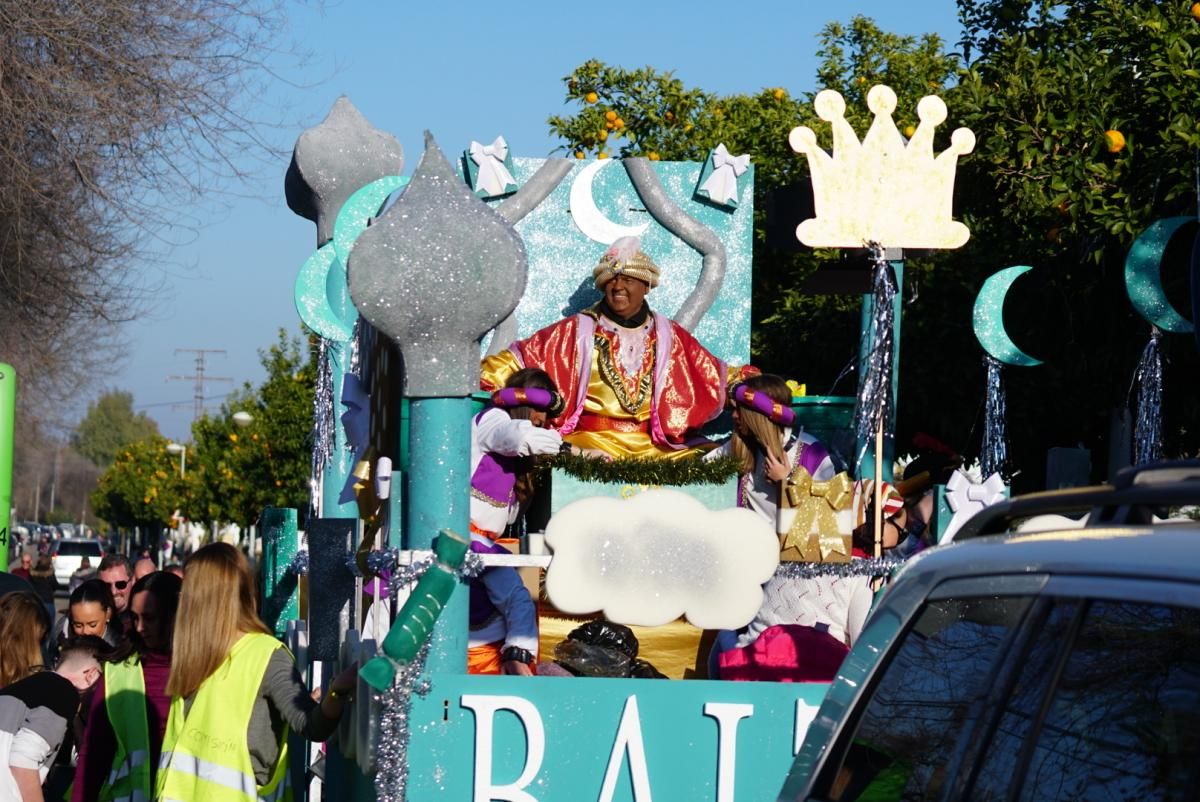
pixel 1147 427
pixel 323 431
pixel 882 566
pixel 391 778
pixel 875 394
pixel 993 457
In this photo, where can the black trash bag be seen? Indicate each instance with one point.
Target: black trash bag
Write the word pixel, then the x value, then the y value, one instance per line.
pixel 608 635
pixel 642 669
pixel 589 660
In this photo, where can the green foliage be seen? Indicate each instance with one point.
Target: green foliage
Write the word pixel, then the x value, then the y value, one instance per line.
pixel 142 487
pixel 232 472
pixel 645 471
pixel 236 472
pixel 109 425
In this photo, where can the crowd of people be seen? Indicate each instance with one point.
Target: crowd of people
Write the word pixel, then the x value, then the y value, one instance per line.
pixel 130 695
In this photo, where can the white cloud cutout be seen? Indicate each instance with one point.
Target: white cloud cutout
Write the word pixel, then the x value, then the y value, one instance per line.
pixel 656 556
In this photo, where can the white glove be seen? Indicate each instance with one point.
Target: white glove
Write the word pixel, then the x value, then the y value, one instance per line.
pixel 541 441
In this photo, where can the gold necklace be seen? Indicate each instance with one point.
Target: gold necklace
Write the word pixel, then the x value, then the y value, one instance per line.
pixel 610 375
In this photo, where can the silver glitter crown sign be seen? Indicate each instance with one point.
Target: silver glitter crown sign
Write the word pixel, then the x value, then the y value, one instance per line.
pixel 436 272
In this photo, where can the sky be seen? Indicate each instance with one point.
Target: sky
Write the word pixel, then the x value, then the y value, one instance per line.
pixel 463 71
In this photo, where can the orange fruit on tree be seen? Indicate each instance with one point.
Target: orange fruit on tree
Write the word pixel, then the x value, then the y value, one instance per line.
pixel 1115 139
pixel 779 93
pixel 591 97
pixel 909 130
pixel 609 126
pixel 601 155
pixel 602 135
pixel 579 154
pixel 618 123
pixel 610 115
pixel 1195 11
pixel 670 115
pixel 652 156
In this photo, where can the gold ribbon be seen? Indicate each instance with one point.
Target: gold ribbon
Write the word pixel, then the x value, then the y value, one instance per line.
pixel 370 508
pixel 814 535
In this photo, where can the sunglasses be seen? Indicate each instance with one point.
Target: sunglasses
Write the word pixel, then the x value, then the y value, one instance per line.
pixel 120 584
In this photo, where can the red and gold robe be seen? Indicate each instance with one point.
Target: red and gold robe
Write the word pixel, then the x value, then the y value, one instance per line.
pixel 687 387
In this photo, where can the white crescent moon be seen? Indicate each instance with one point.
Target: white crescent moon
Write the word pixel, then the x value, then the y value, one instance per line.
pixel 588 218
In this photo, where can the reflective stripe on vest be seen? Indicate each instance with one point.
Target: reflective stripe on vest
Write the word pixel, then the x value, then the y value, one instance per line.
pixel 125 704
pixel 205 755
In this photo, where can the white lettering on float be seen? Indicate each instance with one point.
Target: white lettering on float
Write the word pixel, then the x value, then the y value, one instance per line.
pixel 485 708
pixel 727 716
pixel 805 713
pixel 629 739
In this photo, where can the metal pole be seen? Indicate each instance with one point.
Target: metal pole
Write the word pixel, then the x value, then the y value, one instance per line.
pixel 8 406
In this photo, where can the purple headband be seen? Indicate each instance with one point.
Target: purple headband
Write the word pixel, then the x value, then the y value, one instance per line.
pixel 548 401
pixel 761 402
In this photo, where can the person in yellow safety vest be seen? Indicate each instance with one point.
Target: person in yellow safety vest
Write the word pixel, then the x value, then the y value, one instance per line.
pixel 128 713
pixel 235 692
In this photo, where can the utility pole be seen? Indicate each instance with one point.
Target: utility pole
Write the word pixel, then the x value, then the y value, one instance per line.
pixel 199 378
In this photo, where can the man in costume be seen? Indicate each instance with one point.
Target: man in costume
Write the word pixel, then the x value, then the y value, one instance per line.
pixel 635 383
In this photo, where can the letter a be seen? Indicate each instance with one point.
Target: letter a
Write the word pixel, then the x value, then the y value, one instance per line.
pixel 629 738
pixel 485 708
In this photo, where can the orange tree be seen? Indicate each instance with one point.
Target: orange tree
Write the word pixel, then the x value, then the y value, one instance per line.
pixel 237 471
pixel 142 487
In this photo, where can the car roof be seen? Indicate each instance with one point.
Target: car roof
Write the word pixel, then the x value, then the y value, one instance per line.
pixel 1168 551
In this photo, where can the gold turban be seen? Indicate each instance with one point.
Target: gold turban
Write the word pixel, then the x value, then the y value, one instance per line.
pixel 625 258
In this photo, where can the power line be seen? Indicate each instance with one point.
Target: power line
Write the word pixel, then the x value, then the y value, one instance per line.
pixel 199 379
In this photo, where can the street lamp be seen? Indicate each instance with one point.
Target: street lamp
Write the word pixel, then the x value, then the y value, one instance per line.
pixel 243 418
pixel 181 450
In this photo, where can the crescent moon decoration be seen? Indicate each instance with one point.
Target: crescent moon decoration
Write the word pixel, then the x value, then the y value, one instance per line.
pixel 358 209
pixel 989 318
pixel 1143 276
pixel 588 218
pixel 312 296
pixel 1195 276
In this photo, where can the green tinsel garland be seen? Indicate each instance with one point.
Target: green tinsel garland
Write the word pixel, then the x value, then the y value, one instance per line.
pixel 646 470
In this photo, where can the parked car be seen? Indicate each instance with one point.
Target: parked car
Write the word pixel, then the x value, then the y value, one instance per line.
pixel 66 554
pixel 1018 665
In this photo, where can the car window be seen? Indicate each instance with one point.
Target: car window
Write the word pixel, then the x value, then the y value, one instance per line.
pixel 1124 720
pixel 931 687
pixel 78 548
pixel 1000 760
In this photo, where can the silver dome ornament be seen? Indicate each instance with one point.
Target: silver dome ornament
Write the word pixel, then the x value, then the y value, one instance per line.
pixel 435 273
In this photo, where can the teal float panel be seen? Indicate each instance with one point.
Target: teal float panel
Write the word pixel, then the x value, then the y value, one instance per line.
pixel 554 738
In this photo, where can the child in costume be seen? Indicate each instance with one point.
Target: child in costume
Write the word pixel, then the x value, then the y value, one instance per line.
pixel 804 627
pixel 505 438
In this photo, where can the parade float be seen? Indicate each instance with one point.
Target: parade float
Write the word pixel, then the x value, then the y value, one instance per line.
pixel 414 280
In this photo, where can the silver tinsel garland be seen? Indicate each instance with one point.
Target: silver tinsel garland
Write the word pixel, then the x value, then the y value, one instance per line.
pixel 875 393
pixel 993 457
pixel 391 752
pixel 299 563
pixel 323 422
pixel 870 566
pixel 1147 427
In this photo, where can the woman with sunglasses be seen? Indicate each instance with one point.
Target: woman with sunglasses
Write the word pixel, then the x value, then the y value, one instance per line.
pixel 128 715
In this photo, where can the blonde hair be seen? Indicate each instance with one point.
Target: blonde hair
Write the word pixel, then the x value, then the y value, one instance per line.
pixel 216 607
pixel 767 433
pixel 23 624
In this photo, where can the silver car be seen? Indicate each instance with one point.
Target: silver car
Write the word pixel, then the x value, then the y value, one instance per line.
pixel 1018 665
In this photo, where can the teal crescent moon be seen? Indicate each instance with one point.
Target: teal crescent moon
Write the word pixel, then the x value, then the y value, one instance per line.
pixel 989 318
pixel 358 209
pixel 312 296
pixel 1143 276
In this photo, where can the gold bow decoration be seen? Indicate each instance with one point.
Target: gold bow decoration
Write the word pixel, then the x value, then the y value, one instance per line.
pixel 370 508
pixel 814 535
